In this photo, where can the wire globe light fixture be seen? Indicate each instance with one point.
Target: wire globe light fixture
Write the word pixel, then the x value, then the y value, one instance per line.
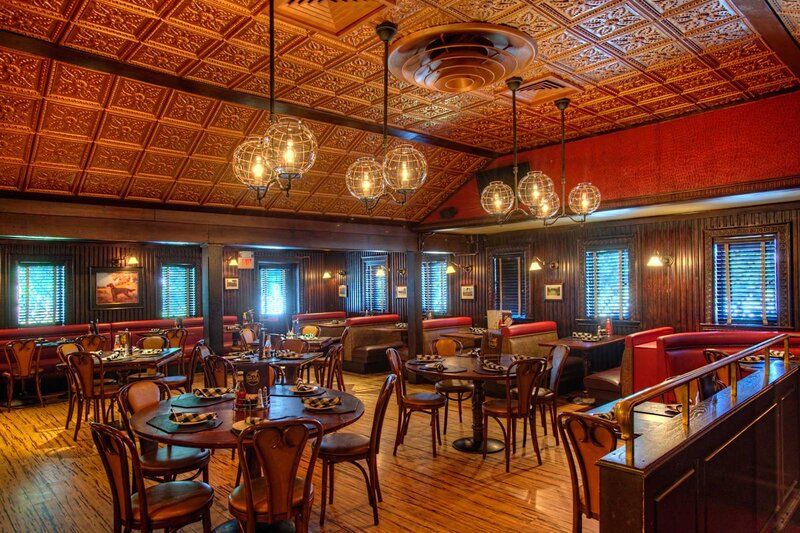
pixel 403 169
pixel 534 186
pixel 497 198
pixel 286 152
pixel 584 199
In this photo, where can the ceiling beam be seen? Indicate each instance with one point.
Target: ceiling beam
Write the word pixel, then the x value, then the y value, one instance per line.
pixel 88 60
pixel 770 27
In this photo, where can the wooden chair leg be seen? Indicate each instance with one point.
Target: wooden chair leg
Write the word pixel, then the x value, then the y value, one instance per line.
pixel 433 432
pixel 9 392
pixel 544 418
pixel 400 416
pixel 446 409
pixel 70 409
pixel 340 379
pixel 207 521
pixel 553 415
pixel 330 473
pixel 512 428
pixel 373 480
pixel 534 438
pixel 375 483
pixel 524 430
pixel 78 420
pixel 507 449
pixel 325 466
pixel 38 379
pixel 460 418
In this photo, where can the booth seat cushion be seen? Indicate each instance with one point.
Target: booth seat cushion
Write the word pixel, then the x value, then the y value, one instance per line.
pixel 604 386
pixel 524 339
pixel 363 333
pixel 372 358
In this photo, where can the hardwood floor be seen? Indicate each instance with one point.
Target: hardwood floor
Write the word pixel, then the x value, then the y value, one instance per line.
pixel 48 482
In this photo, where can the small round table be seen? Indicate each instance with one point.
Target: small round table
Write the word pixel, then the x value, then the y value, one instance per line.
pixel 221 437
pixel 477 376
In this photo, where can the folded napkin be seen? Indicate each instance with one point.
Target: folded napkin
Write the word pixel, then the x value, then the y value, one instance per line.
pixel 252 420
pixel 494 367
pixel 477 331
pixel 429 358
pixel 752 359
pixel 188 418
pixel 290 355
pixel 439 367
pixel 521 357
pixel 606 416
pixel 322 402
pixel 214 392
pixel 304 387
pixel 400 325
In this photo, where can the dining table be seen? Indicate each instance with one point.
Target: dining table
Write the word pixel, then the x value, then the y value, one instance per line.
pixel 291 367
pixel 468 368
pixel 467 338
pixel 587 349
pixel 154 359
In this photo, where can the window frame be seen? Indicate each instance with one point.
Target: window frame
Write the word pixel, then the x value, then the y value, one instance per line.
pixel 294 285
pixel 197 291
pixel 525 254
pixel 376 260
pixel 782 259
pixel 628 242
pixel 14 262
pixel 444 261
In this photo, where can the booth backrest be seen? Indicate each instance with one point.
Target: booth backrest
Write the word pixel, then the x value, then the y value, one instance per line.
pixel 434 328
pixel 641 367
pixel 524 339
pixel 49 358
pixel 305 319
pixel 194 328
pixel 361 332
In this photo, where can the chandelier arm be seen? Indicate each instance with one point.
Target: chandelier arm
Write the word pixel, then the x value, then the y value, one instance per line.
pixel 272 61
pixel 514 142
pixel 563 162
pixel 385 95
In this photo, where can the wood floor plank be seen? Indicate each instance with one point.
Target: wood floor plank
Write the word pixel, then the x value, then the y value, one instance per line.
pixel 52 484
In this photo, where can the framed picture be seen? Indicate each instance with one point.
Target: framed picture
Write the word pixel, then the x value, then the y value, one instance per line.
pixel 342 291
pixel 231 284
pixel 117 287
pixel 402 291
pixel 552 291
pixel 468 292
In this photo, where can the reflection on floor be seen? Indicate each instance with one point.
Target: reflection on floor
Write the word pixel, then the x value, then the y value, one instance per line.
pixel 51 483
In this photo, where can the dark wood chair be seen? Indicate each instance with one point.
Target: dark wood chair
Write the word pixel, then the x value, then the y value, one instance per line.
pixel 217 370
pixel 63 350
pixel 84 366
pixel 416 402
pixel 176 338
pixel 92 342
pixel 169 506
pixel 528 375
pixel 166 462
pixel 334 369
pixel 341 447
pixel 278 493
pixel 184 380
pixel 248 338
pixel 295 345
pixel 22 358
pixel 586 439
pixel 462 389
pixel 546 398
pixel 310 330
pixel 712 383
pixel 151 342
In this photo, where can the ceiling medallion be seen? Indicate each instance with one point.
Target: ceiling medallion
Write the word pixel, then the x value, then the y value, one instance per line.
pixel 456 58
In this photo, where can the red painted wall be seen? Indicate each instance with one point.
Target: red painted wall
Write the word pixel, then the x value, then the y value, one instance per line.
pixel 748 142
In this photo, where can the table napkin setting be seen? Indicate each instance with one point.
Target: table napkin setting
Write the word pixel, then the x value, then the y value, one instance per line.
pixel 214 392
pixel 190 418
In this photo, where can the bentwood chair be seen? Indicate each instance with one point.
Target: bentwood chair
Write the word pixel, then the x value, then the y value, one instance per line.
pixel 168 506
pixel 217 370
pixel 185 378
pixel 341 447
pixel 22 357
pixel 528 374
pixel 161 463
pixel 248 338
pixel 416 402
pixel 334 369
pixel 586 439
pixel 295 345
pixel 84 366
pixel 462 389
pixel 152 342
pixel 547 397
pixel 92 342
pixel 279 493
pixel 63 350
pixel 176 338
pixel 310 330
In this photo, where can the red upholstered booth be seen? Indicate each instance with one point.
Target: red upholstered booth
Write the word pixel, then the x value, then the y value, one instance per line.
pixel 434 328
pixel 306 319
pixel 641 353
pixel 194 329
pixel 365 345
pixel 48 358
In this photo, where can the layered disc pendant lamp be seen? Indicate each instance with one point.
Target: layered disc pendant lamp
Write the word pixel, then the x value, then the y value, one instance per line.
pixel 403 169
pixel 284 154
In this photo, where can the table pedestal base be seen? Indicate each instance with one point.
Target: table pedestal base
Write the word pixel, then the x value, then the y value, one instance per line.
pixel 470 445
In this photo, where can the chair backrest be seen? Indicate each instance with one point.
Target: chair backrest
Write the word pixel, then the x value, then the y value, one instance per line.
pixel 446 347
pixel 380 412
pixel 558 358
pixel 199 353
pixel 295 345
pixel 396 367
pixel 121 463
pixel 66 348
pixel 310 330
pixel 335 354
pixel 83 366
pixel 279 447
pixel 176 337
pixel 528 374
pixel 217 369
pixel 247 336
pixel 154 342
pixel 92 342
pixel 711 383
pixel 586 439
pixel 139 395
pixel 23 355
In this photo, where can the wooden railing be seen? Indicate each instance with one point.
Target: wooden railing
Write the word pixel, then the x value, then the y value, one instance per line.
pixel 680 385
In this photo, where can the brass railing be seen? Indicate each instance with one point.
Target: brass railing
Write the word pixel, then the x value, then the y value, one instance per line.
pixel 681 385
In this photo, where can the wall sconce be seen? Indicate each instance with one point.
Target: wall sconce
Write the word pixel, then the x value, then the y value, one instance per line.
pixel 132 261
pixel 233 262
pixel 451 268
pixel 402 271
pixel 380 272
pixel 341 273
pixel 537 264
pixel 657 260
pixel 326 275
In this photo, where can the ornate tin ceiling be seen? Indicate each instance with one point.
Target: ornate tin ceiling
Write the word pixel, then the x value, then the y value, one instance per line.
pixel 75 131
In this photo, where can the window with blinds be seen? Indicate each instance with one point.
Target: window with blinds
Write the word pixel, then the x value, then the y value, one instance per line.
pixel 607 283
pixel 745 280
pixel 41 289
pixel 274 293
pixel 510 284
pixel 376 291
pixel 178 291
pixel 434 287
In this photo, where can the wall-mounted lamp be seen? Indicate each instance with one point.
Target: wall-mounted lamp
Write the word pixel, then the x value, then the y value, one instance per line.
pixel 451 268
pixel 132 261
pixel 342 273
pixel 380 272
pixel 657 260
pixel 402 271
pixel 233 262
pixel 326 275
pixel 537 264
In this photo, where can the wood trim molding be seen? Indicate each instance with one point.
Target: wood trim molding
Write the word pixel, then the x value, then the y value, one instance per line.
pixel 88 60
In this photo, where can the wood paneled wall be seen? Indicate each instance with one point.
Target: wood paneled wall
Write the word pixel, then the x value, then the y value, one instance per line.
pixel 79 257
pixel 354 266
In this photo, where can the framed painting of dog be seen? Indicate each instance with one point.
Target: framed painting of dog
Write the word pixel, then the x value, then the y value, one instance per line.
pixel 117 288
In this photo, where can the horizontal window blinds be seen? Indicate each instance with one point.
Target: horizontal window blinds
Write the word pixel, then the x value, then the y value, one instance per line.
pixel 178 291
pixel 745 281
pixel 607 282
pixel 274 293
pixel 376 292
pixel 510 291
pixel 41 291
pixel 434 287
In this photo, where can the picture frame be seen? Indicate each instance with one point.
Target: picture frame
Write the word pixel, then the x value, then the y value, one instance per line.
pixel 342 291
pixel 231 284
pixel 117 288
pixel 468 292
pixel 402 291
pixel 553 291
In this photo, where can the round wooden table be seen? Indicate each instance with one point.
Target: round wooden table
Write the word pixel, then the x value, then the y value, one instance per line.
pixel 477 376
pixel 222 437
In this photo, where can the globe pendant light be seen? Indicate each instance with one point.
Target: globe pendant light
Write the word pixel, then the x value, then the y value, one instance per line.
pixel 584 199
pixel 364 179
pixel 252 167
pixel 533 187
pixel 292 149
pixel 405 169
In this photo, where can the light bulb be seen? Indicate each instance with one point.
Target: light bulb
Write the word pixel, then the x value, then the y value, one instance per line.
pixel 288 156
pixel 497 202
pixel 536 192
pixel 584 202
pixel 258 168
pixel 365 184
pixel 404 173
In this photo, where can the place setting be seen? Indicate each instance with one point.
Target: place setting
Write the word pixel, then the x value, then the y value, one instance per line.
pixel 181 422
pixel 203 397
pixel 298 389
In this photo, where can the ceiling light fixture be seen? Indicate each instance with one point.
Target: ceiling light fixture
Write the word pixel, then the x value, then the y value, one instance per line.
pixel 403 169
pixel 285 153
